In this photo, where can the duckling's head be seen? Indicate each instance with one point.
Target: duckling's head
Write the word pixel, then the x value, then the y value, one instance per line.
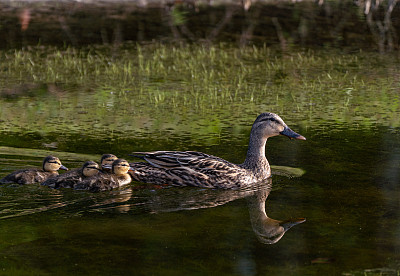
pixel 120 167
pixel 270 124
pixel 53 164
pixel 90 168
pixel 106 161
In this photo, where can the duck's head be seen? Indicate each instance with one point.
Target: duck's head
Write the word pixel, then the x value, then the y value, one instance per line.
pixel 269 125
pixel 120 167
pixel 90 168
pixel 53 164
pixel 270 231
pixel 106 161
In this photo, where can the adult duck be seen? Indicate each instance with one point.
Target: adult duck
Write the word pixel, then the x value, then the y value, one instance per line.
pixel 190 168
pixel 107 181
pixel 73 177
pixel 51 165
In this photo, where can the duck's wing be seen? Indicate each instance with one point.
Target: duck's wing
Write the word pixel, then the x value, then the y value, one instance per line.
pixel 181 159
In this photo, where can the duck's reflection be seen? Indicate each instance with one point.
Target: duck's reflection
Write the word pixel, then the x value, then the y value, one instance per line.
pixel 267 230
pixel 151 200
pixel 117 200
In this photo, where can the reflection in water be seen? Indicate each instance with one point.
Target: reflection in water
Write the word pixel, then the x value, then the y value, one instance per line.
pixel 118 201
pixel 39 199
pixel 25 200
pixel 19 201
pixel 267 230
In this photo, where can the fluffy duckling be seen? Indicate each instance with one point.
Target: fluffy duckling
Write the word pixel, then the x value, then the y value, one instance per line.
pixel 71 178
pixel 51 165
pixel 105 181
pixel 106 162
pixel 190 168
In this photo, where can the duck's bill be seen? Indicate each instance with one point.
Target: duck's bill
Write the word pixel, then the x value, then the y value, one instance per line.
pixel 291 134
pixel 131 169
pixel 63 168
pixel 107 166
pixel 287 224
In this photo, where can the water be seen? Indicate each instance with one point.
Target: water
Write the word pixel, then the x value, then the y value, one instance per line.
pixel 348 194
pixel 77 105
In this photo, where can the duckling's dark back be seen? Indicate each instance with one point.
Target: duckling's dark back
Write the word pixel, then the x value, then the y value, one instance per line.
pixel 101 182
pixel 65 180
pixel 27 176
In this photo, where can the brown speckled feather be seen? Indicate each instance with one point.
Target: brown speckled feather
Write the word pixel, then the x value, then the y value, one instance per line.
pixel 103 182
pixel 28 176
pixel 65 180
pixel 190 168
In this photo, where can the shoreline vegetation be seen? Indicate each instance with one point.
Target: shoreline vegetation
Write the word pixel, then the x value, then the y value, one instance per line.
pixel 347 25
pixel 359 87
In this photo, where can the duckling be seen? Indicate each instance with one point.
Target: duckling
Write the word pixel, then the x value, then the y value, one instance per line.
pixel 190 168
pixel 105 181
pixel 106 162
pixel 51 165
pixel 71 178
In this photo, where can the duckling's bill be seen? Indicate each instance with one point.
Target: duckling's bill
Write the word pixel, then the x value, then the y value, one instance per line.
pixel 63 168
pixel 291 134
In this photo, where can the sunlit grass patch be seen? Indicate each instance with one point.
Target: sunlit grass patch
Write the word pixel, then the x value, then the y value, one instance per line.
pixel 204 77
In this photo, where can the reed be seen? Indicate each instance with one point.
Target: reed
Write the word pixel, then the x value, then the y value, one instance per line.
pixel 319 86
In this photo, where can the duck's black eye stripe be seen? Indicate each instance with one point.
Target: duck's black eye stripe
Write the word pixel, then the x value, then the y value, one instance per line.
pixel 266 119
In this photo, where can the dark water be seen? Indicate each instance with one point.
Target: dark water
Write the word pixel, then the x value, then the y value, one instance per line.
pixel 349 195
pixel 344 179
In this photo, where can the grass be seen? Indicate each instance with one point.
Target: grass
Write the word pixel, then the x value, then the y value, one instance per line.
pixel 356 88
